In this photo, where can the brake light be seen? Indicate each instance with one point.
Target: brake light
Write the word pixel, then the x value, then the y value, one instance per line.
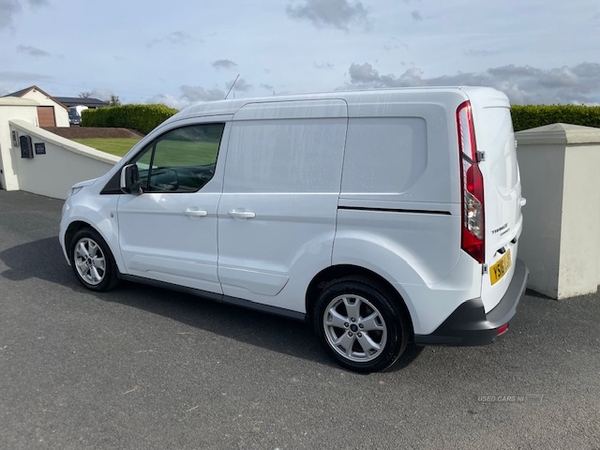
pixel 473 212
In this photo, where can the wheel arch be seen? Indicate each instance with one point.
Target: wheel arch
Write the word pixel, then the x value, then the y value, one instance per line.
pixel 332 273
pixel 72 229
pixel 77 225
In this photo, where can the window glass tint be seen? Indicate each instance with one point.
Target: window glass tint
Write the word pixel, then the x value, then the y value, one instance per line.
pixel 384 155
pixel 288 155
pixel 182 160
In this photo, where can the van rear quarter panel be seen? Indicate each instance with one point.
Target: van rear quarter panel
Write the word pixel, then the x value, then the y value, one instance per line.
pixel 502 185
pixel 399 211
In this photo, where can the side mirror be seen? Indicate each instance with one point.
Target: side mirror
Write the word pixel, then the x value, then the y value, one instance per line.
pixel 130 180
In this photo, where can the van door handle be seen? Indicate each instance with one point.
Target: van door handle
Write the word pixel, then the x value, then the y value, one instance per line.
pixel 194 212
pixel 241 214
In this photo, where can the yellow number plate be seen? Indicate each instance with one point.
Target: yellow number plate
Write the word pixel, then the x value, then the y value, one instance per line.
pixel 498 270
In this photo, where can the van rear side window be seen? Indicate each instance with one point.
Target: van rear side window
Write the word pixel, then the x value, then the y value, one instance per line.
pixel 289 155
pixel 384 155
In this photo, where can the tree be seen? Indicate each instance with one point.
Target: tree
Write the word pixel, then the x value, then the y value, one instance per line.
pixel 114 100
pixel 85 94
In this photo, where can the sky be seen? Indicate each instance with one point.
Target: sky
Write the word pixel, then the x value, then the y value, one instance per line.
pixel 181 52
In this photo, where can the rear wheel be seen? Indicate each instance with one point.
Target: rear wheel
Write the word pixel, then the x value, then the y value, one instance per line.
pixel 92 261
pixel 360 325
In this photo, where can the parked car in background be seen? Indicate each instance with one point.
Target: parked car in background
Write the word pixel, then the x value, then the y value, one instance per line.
pixel 75 115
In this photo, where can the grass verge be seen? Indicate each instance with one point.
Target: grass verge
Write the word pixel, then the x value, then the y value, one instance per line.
pixel 114 146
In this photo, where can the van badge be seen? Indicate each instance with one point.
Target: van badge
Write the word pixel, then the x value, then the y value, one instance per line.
pixel 498 230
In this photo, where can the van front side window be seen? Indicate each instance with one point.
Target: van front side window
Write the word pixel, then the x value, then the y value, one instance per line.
pixel 181 160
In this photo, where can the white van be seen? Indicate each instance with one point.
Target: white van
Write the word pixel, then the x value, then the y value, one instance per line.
pixel 383 218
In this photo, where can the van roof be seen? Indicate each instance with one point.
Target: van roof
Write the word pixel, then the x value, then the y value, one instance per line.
pixel 411 94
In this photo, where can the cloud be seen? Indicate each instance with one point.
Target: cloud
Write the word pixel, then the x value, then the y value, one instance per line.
pixel 16 76
pixel 102 94
pixel 169 100
pixel 8 9
pixel 195 94
pixel 32 51
pixel 224 64
pixel 268 87
pixel 240 85
pixel 323 66
pixel 481 53
pixel 189 95
pixel 522 84
pixel 416 15
pixel 174 38
pixel 199 94
pixel 393 45
pixel 338 14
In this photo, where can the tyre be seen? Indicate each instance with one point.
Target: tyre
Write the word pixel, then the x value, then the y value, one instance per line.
pixel 92 261
pixel 360 325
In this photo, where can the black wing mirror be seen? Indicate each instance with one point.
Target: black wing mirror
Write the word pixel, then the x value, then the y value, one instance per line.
pixel 130 179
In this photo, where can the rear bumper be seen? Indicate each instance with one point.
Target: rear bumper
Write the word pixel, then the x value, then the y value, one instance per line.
pixel 470 325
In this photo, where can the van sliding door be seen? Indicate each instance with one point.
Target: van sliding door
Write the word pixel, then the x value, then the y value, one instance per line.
pixel 276 218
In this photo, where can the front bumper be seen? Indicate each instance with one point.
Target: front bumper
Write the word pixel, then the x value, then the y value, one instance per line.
pixel 470 325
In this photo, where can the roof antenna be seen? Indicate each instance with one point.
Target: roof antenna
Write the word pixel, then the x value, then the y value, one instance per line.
pixel 232 85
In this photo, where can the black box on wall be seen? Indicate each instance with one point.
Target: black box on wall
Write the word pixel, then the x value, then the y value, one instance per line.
pixel 26 146
pixel 40 148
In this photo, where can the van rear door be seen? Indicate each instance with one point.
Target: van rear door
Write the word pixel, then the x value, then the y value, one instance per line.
pixel 495 141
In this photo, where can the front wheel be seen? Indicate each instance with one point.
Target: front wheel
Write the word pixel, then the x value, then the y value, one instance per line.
pixel 360 325
pixel 92 261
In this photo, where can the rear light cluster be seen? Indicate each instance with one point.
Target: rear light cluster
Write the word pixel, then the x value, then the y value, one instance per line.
pixel 473 220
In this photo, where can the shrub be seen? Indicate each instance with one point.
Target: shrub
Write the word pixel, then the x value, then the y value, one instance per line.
pixel 532 116
pixel 142 118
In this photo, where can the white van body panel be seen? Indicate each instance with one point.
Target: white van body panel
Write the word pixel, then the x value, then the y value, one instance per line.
pixel 96 210
pixel 420 270
pixel 158 251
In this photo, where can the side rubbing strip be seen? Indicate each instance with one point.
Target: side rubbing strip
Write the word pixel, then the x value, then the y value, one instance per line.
pixel 392 210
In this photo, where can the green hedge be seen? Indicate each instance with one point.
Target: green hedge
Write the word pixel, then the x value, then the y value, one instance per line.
pixel 143 118
pixel 532 116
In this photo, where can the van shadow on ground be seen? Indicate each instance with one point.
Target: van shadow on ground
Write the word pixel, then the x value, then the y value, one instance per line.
pixel 43 259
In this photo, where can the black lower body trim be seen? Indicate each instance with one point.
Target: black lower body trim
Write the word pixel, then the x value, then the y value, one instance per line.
pixel 470 325
pixel 219 297
pixel 395 210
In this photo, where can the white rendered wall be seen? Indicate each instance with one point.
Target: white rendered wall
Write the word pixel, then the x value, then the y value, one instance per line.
pixel 561 221
pixel 64 164
pixel 12 108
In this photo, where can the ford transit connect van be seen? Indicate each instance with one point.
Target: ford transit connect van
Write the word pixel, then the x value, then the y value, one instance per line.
pixel 383 218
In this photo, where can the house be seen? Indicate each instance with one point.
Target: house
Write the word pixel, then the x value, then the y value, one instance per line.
pixel 77 105
pixel 90 102
pixel 51 112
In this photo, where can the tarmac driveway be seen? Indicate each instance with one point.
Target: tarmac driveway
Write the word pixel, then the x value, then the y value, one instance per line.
pixel 145 368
